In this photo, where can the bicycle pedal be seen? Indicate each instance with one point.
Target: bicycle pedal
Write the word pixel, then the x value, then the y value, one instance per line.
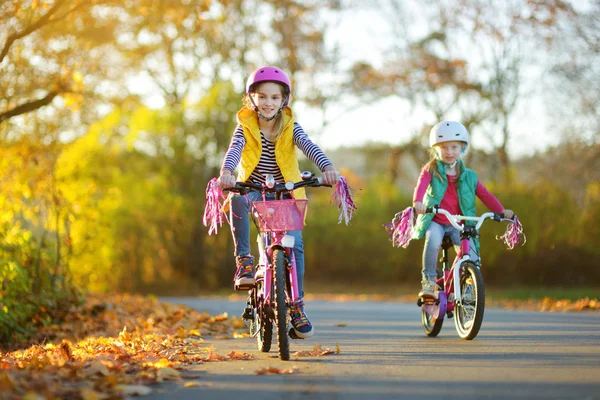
pixel 243 287
pixel 248 314
pixel 430 301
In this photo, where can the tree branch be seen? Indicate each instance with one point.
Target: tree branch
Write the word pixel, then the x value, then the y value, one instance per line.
pixel 31 28
pixel 30 106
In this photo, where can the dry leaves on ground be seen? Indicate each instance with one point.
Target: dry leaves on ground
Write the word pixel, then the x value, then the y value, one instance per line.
pixel 551 305
pixel 114 347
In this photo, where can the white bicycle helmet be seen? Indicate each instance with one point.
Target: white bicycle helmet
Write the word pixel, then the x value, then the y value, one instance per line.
pixel 448 131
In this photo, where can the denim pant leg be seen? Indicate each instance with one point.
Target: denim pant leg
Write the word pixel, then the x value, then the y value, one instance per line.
pixel 433 242
pixel 299 256
pixel 240 222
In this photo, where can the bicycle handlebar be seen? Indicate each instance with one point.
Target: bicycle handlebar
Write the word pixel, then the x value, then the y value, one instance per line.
pixel 454 219
pixel 278 188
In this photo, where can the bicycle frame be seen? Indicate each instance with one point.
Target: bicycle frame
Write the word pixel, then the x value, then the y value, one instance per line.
pixel 451 279
pixel 267 242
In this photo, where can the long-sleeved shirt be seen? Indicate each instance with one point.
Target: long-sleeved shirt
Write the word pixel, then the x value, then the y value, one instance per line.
pixel 450 200
pixel 267 163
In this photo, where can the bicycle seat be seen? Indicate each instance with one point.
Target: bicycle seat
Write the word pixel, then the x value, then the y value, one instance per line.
pixel 447 242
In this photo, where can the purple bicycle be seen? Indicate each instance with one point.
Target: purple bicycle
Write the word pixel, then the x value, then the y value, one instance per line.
pixel 276 287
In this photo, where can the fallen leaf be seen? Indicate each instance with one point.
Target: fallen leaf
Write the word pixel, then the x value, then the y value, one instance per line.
pixel 236 355
pixel 96 367
pixel 316 351
pixel 167 373
pixel 279 371
pixel 134 390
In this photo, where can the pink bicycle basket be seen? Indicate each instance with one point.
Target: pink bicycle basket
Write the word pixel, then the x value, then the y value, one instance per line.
pixel 280 215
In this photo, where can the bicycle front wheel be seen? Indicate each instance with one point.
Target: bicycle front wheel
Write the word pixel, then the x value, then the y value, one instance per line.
pixel 280 306
pixel 468 315
pixel 431 325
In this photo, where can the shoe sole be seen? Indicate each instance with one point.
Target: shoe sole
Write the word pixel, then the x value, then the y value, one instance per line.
pixel 303 335
pixel 244 284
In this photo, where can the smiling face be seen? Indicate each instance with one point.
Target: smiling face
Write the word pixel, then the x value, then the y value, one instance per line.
pixel 449 152
pixel 268 97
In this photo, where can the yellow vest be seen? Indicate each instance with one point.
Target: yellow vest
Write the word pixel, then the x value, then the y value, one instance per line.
pixel 285 149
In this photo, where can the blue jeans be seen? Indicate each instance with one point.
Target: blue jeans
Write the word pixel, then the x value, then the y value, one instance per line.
pixel 240 229
pixel 433 242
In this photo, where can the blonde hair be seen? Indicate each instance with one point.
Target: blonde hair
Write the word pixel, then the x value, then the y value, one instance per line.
pixel 433 168
pixel 278 121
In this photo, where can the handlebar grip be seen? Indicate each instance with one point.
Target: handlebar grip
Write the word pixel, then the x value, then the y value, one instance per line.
pixel 432 210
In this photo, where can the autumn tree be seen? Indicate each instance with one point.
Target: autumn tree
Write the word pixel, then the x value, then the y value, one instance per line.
pixel 468 62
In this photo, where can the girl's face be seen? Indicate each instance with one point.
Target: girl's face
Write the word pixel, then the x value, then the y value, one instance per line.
pixel 268 97
pixel 449 152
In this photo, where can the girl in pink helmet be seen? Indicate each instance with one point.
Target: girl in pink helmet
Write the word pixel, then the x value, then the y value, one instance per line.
pixel 446 182
pixel 264 142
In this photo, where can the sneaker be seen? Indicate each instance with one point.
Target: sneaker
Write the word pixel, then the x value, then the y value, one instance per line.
pixel 300 323
pixel 428 290
pixel 244 276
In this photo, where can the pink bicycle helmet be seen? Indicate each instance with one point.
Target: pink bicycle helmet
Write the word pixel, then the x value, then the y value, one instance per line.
pixel 268 74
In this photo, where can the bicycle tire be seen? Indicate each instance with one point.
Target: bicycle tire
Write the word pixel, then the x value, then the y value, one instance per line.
pixel 431 326
pixel 261 325
pixel 280 278
pixel 468 315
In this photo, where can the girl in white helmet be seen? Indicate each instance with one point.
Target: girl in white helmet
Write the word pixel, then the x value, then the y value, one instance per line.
pixel 264 142
pixel 445 181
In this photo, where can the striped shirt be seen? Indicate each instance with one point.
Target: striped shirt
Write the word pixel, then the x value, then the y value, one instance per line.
pixel 267 163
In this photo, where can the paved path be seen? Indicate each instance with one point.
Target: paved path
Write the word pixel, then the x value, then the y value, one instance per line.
pixel 384 354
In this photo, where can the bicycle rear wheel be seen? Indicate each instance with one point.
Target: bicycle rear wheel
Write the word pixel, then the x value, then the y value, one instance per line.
pixel 261 325
pixel 280 306
pixel 468 315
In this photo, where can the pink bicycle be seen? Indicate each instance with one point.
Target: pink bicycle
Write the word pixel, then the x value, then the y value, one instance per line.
pixel 461 291
pixel 276 287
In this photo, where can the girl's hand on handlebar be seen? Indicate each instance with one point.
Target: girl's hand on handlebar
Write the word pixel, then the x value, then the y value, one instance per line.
pixel 330 175
pixel 419 207
pixel 226 180
pixel 508 213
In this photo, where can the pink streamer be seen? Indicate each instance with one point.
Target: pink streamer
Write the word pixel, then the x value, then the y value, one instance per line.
pixel 343 197
pixel 400 229
pixel 213 210
pixel 514 234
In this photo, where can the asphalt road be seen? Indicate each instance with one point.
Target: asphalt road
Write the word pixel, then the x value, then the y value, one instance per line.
pixel 384 354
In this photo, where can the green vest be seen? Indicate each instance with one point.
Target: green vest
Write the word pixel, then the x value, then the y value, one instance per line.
pixel 467 184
